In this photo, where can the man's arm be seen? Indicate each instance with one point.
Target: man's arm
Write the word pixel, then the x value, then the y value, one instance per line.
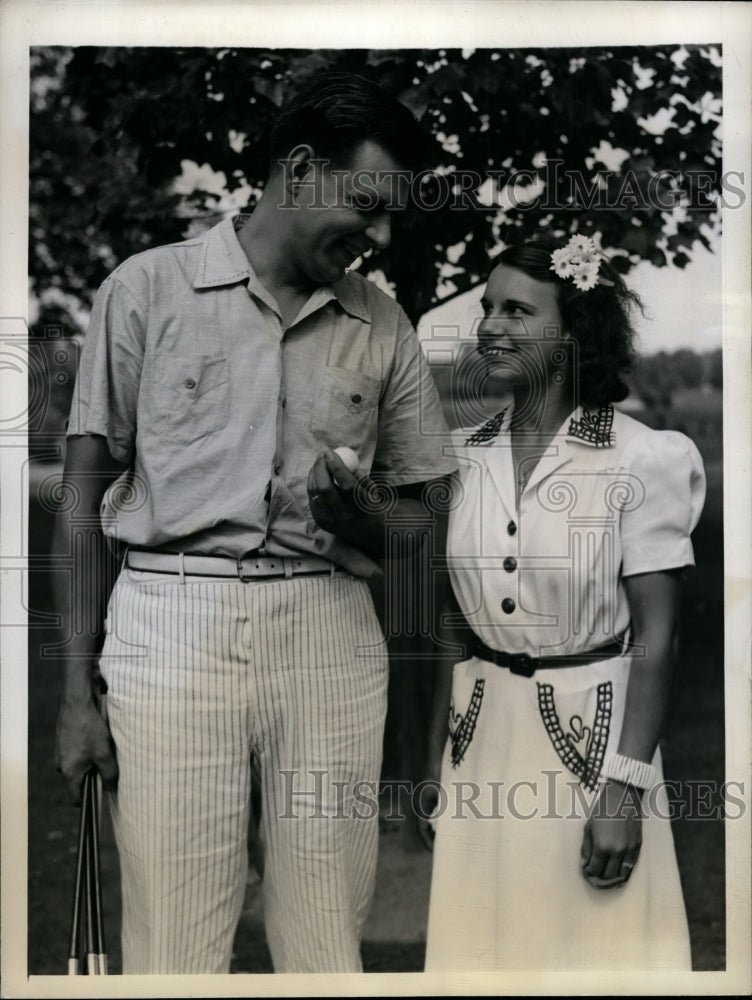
pixel 339 503
pixel 80 597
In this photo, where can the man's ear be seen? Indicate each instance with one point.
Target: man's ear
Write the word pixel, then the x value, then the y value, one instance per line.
pixel 298 166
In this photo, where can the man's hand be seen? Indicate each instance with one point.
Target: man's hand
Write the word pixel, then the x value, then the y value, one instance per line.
pixel 613 836
pixel 83 741
pixel 331 494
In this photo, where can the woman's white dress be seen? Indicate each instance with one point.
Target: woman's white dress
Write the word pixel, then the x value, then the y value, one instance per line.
pixel 611 498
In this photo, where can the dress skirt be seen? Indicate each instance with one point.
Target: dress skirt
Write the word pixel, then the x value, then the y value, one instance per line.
pixel 520 770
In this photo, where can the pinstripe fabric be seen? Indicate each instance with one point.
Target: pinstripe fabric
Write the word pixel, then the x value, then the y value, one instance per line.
pixel 201 675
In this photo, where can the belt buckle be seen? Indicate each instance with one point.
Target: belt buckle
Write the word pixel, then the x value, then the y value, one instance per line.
pixel 241 575
pixel 521 664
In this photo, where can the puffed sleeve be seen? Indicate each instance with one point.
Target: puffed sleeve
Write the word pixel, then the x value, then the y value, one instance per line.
pixel 665 505
pixel 107 384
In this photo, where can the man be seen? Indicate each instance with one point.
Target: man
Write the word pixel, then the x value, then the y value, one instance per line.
pixel 217 377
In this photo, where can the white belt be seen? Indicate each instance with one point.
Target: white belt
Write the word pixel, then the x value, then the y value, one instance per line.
pixel 248 568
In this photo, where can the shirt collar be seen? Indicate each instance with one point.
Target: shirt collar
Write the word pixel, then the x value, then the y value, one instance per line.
pixel 223 262
pixel 352 298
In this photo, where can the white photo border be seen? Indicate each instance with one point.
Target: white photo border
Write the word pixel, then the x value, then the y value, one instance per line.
pixel 385 24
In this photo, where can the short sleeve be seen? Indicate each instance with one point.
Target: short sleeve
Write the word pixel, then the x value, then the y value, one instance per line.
pixel 413 436
pixel 105 397
pixel 665 506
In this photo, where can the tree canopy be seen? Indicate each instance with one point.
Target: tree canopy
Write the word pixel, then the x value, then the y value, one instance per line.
pixel 623 142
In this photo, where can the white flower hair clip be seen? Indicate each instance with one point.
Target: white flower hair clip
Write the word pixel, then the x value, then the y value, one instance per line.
pixel 579 260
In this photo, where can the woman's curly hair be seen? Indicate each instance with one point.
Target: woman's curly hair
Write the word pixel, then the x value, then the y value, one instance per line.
pixel 599 320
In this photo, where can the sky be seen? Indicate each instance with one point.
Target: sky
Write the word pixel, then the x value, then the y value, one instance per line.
pixel 685 307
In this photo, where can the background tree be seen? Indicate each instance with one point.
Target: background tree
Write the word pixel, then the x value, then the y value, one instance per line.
pixel 594 140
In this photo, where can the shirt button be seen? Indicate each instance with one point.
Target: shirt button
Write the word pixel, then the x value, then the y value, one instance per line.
pixel 277 468
pixel 508 605
pixel 356 397
pixel 510 564
pixel 189 383
pixel 511 528
pixel 283 403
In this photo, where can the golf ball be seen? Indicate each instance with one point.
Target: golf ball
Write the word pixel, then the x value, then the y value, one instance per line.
pixel 349 457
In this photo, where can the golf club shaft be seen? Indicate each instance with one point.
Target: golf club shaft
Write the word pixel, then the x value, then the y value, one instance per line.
pixel 80 879
pixel 97 886
pixel 91 943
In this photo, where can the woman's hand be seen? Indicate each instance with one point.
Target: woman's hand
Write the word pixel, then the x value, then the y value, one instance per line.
pixel 613 836
pixel 430 799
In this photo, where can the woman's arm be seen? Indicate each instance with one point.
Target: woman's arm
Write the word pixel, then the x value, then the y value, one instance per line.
pixel 438 729
pixel 449 641
pixel 613 834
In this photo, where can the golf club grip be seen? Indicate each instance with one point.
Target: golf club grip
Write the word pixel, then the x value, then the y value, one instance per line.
pixel 79 885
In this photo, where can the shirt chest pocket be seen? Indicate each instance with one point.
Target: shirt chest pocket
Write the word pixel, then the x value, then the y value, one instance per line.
pixel 191 396
pixel 345 408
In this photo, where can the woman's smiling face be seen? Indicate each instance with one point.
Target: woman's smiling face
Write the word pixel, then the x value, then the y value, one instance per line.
pixel 520 336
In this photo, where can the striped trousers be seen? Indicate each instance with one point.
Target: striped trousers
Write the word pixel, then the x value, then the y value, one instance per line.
pixel 204 675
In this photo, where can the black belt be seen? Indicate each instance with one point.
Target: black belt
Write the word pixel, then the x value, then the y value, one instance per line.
pixel 526 665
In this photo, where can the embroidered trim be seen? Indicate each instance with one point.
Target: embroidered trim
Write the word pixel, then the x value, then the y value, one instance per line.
pixel 462 727
pixel 587 766
pixel 594 428
pixel 489 430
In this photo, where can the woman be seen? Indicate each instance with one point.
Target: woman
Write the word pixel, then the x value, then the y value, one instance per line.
pixel 567 539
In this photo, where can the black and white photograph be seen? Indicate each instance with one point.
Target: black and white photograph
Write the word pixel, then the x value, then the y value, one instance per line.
pixel 375 498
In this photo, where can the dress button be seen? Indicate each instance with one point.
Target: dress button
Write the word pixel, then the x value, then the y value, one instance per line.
pixel 511 528
pixel 356 397
pixel 510 564
pixel 189 383
pixel 508 605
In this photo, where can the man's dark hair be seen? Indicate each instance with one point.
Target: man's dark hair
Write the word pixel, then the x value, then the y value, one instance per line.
pixel 338 112
pixel 599 320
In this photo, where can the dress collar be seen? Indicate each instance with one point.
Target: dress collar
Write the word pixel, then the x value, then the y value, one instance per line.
pixel 592 427
pixel 584 426
pixel 488 432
